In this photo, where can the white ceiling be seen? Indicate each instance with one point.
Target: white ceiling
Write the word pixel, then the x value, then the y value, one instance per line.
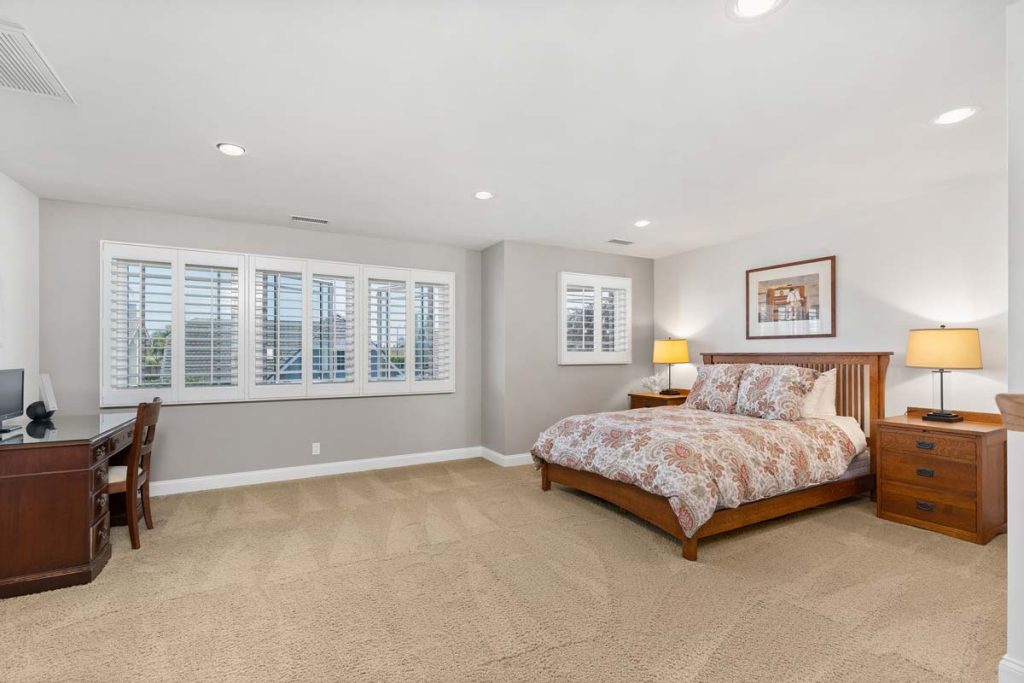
pixel 385 116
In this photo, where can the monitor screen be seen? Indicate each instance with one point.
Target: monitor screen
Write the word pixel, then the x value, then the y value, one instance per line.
pixel 12 392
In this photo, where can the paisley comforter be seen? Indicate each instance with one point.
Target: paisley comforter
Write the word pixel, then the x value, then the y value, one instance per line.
pixel 699 460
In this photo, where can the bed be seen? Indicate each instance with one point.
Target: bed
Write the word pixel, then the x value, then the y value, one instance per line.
pixel 860 398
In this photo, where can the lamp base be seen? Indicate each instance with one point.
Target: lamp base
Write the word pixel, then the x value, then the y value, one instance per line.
pixel 942 416
pixel 670 392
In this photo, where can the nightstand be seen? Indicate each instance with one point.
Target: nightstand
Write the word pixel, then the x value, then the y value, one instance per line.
pixel 946 477
pixel 653 400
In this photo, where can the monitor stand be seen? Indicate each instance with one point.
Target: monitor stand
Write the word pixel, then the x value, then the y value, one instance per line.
pixel 8 430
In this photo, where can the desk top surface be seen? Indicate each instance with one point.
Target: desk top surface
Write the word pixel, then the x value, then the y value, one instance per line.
pixel 64 428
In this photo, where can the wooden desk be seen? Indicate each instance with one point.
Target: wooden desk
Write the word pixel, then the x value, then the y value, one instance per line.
pixel 54 507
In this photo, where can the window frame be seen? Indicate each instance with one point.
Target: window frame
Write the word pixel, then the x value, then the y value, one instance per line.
pixel 247 389
pixel 597 356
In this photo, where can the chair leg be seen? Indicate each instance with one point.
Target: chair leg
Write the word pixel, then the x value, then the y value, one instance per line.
pixel 146 510
pixel 690 549
pixel 131 504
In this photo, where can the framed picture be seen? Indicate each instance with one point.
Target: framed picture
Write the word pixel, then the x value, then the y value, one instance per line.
pixel 792 300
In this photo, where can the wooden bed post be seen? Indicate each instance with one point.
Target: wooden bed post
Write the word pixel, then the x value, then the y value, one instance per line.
pixel 545 481
pixel 690 549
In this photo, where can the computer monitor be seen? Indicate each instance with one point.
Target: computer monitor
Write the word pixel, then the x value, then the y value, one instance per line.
pixel 12 395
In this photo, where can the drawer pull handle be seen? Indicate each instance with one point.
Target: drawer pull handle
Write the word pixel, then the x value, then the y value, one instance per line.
pixel 101 537
pixel 925 472
pixel 926 506
pixel 925 445
pixel 100 452
pixel 101 501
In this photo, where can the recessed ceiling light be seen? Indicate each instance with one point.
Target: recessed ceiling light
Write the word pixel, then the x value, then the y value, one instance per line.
pixel 642 223
pixel 745 10
pixel 230 149
pixel 483 194
pixel 955 116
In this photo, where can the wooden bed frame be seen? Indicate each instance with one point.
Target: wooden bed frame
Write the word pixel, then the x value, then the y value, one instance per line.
pixel 860 393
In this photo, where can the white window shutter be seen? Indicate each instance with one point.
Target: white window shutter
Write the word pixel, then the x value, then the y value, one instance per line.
pixel 388 325
pixel 278 331
pixel 209 316
pixel 433 331
pixel 595 319
pixel 137 324
pixel 334 314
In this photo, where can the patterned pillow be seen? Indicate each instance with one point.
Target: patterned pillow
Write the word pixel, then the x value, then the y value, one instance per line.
pixel 774 392
pixel 715 387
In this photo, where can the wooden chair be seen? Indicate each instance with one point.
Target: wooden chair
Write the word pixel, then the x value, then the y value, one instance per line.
pixel 134 477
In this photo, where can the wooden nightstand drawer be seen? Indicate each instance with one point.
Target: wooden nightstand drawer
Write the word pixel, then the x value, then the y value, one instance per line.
pixel 928 505
pixel 929 471
pixel 650 400
pixel 939 445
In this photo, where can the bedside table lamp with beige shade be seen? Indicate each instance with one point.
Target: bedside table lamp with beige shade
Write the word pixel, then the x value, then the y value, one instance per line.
pixel 669 352
pixel 943 349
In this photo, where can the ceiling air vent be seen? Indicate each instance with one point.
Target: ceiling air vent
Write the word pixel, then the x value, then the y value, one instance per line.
pixel 624 243
pixel 23 67
pixel 309 219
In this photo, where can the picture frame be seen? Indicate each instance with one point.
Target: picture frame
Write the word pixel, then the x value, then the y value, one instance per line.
pixel 792 300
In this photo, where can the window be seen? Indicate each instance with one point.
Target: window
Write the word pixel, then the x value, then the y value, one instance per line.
pixel 387 330
pixel 594 319
pixel 140 319
pixel 211 323
pixel 191 326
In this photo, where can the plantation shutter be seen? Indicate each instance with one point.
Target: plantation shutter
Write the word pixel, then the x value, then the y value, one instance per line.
pixel 433 326
pixel 334 328
pixel 579 312
pixel 140 320
pixel 277 327
pixel 387 329
pixel 614 320
pixel 595 322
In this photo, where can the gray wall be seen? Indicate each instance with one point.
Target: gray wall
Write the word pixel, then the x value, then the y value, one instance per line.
pixel 493 329
pixel 19 283
pixel 537 390
pixel 208 439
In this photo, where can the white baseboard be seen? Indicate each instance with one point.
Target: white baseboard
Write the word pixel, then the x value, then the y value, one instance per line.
pixel 1011 670
pixel 505 460
pixel 223 481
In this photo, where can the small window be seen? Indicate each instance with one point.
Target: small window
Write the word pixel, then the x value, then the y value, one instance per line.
pixel 141 316
pixel 595 319
pixel 433 332
pixel 386 335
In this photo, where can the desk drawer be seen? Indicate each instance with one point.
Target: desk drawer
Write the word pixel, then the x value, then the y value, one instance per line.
pixel 937 507
pixel 99 536
pixel 100 474
pixel 938 445
pixel 100 504
pixel 929 471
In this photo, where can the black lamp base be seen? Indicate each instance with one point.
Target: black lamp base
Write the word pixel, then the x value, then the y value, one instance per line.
pixel 942 416
pixel 670 392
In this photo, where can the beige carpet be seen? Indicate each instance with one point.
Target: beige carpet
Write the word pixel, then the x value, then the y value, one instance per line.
pixel 466 571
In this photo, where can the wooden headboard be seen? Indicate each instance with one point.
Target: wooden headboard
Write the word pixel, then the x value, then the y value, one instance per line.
pixel 860 378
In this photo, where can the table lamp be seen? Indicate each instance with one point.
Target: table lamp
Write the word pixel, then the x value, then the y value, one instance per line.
pixel 943 349
pixel 669 352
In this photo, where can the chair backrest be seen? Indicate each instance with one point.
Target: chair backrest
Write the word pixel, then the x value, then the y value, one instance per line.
pixel 142 443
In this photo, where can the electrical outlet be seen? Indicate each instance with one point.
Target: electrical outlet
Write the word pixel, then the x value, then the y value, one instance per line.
pixel 316 448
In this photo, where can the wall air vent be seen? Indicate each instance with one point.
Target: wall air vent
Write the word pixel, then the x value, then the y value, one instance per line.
pixel 623 243
pixel 23 67
pixel 310 219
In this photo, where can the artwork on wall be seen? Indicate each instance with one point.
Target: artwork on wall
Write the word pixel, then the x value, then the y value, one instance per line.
pixel 792 300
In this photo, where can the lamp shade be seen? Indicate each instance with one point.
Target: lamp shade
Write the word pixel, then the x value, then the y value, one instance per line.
pixel 945 348
pixel 670 351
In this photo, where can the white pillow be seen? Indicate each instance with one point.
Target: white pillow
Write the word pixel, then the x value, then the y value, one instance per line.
pixel 820 401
